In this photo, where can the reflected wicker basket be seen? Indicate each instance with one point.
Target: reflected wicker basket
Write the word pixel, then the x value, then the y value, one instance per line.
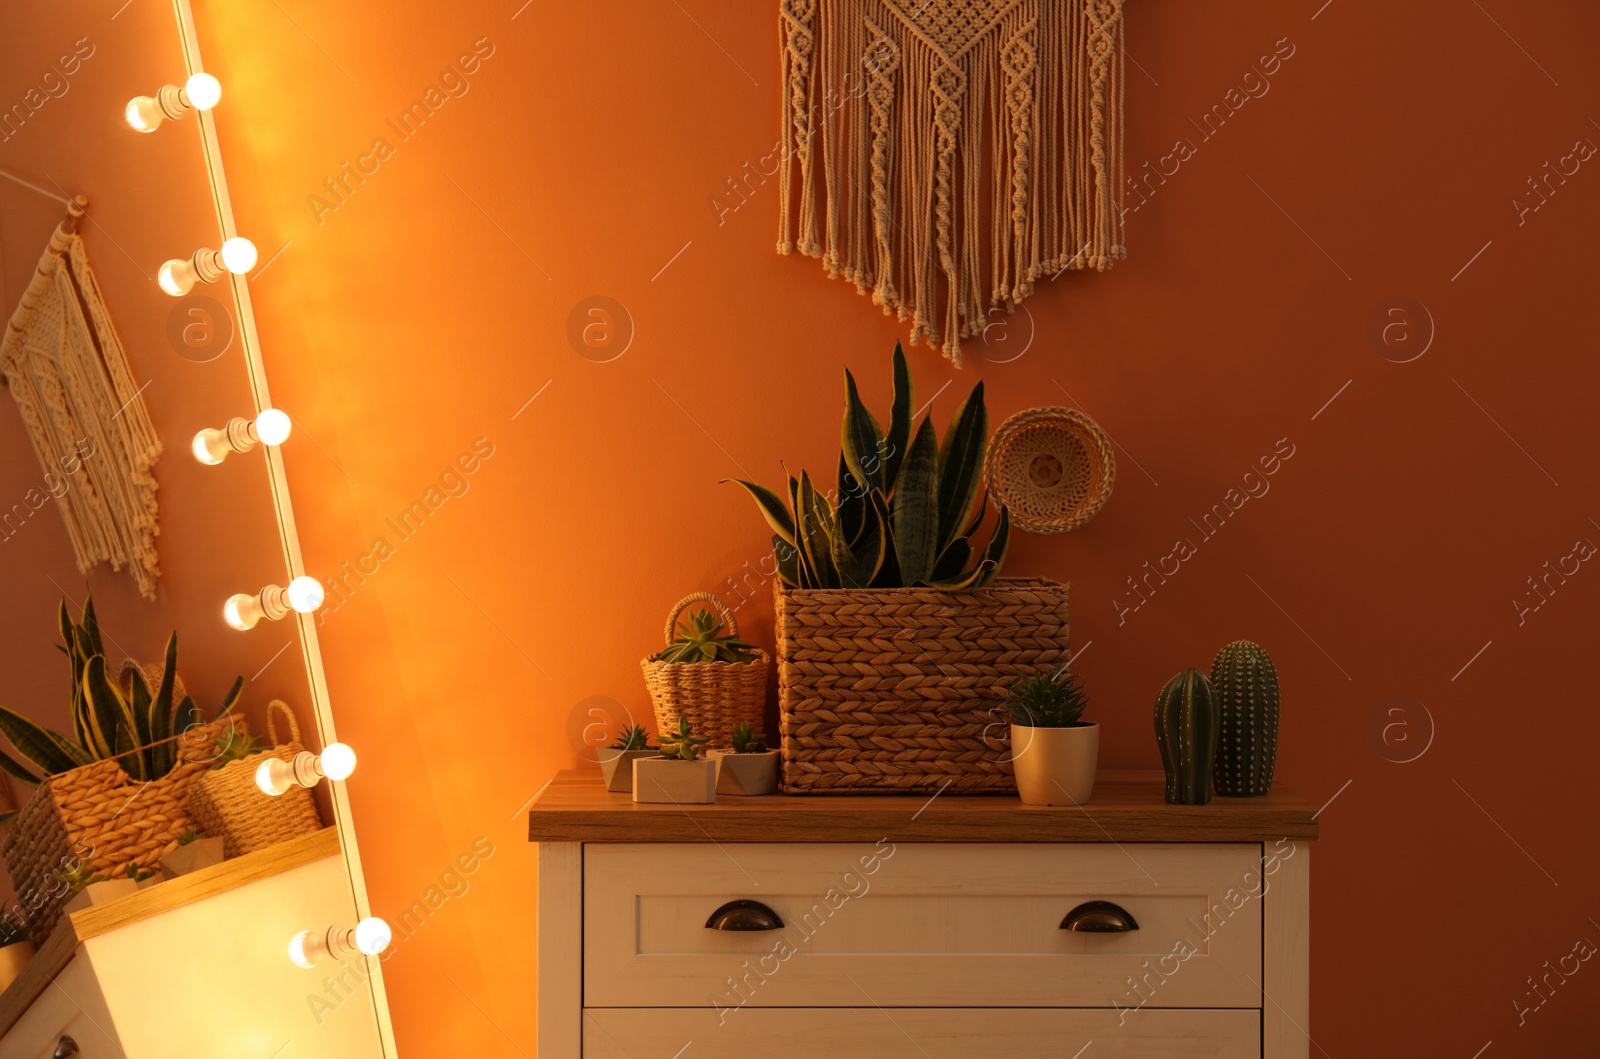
pixel 227 804
pixel 1052 467
pixel 714 696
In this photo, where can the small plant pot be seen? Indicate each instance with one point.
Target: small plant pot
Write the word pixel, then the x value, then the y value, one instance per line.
pixel 1055 766
pixel 13 958
pixel 616 767
pixel 746 774
pixel 99 893
pixel 201 853
pixel 662 779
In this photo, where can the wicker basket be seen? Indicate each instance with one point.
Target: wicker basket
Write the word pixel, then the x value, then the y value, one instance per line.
pixel 715 696
pixel 100 815
pixel 897 689
pixel 1052 467
pixel 227 804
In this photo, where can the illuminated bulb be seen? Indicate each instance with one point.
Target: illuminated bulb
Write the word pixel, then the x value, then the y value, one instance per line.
pixel 275 776
pixel 177 277
pixel 146 113
pixel 337 944
pixel 243 611
pixel 212 445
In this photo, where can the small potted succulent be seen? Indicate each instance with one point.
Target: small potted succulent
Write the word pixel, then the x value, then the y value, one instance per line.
pixel 1053 753
pixel 706 672
pixel 749 768
pixel 677 773
pixel 86 888
pixel 616 760
pixel 194 852
pixel 15 949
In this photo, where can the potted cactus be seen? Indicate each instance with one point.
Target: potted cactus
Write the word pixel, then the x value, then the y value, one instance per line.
pixel 616 760
pixel 1246 685
pixel 676 773
pixel 1188 725
pixel 1054 753
pixel 749 768
pixel 15 949
pixel 194 852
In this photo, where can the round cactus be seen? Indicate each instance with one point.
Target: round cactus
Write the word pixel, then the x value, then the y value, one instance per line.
pixel 1246 685
pixel 1187 726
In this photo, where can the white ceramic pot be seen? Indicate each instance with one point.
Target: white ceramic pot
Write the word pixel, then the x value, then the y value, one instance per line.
pixel 1055 766
pixel 616 767
pixel 665 779
pixel 746 774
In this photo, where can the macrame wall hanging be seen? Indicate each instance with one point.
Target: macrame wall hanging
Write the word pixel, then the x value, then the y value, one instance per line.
pixel 65 366
pixel 954 149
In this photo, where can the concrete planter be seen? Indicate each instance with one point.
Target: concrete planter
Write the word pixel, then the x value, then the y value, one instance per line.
pixel 616 767
pixel 746 774
pixel 201 853
pixel 662 779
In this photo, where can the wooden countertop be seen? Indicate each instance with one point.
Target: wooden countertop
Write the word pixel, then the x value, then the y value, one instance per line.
pixel 75 928
pixel 1127 807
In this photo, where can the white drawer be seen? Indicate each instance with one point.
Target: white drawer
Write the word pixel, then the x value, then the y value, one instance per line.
pixel 922 925
pixel 70 1006
pixel 926 1033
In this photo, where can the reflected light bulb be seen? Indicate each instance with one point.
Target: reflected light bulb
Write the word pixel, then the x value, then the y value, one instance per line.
pixel 298 946
pixel 238 255
pixel 203 90
pixel 338 762
pixel 305 594
pixel 272 426
pixel 143 114
pixel 372 936
pixel 175 277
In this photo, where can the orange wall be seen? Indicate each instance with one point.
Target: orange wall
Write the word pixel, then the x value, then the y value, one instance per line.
pixel 589 151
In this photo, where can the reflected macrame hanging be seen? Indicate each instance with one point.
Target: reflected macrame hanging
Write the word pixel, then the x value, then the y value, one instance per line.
pixel 65 366
pixel 918 126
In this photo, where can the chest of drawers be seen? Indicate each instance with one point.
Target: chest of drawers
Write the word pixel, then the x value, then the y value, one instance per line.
pixel 955 926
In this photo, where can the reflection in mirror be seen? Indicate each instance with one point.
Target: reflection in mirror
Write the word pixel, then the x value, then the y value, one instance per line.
pixel 177 825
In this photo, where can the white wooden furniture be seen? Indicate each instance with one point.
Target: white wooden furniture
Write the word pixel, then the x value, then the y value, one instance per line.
pixel 197 966
pixel 889 926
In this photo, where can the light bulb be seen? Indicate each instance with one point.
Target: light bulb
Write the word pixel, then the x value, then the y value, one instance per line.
pixel 338 761
pixel 143 114
pixel 212 445
pixel 272 427
pixel 373 936
pixel 176 277
pixel 238 255
pixel 302 949
pixel 305 594
pixel 203 91
pixel 241 611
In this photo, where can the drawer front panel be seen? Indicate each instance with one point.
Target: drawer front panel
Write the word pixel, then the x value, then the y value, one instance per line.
pixel 922 925
pixel 920 1033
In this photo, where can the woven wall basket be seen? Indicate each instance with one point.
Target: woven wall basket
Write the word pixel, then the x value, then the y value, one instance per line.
pixel 714 696
pixel 897 690
pixel 106 818
pixel 1052 467
pixel 227 804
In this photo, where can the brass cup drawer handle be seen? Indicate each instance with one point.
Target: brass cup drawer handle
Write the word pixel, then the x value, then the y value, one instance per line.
pixel 744 915
pixel 1099 917
pixel 65 1048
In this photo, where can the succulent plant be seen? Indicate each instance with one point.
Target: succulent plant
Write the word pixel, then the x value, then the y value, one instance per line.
pixel 188 835
pixel 906 506
pixel 128 722
pixel 77 876
pixel 1049 697
pixel 138 874
pixel 234 745
pixel 634 738
pixel 682 744
pixel 701 639
pixel 746 740
pixel 12 930
pixel 1246 685
pixel 1187 726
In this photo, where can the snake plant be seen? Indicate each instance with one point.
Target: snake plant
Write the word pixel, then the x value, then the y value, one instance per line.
pixel 128 722
pixel 906 505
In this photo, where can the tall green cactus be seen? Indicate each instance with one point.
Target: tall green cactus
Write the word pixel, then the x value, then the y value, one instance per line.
pixel 1246 685
pixel 1187 726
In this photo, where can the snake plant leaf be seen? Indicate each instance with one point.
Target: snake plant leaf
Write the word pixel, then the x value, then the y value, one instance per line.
pixel 844 561
pixel 852 504
pixel 787 556
pixel 127 754
pixel 973 578
pixel 977 520
pixel 888 575
pixel 899 436
pixel 961 464
pixel 995 555
pixel 232 697
pixel 91 625
pixel 34 743
pixel 816 527
pixel 771 506
pixel 862 438
pixel 9 765
pixel 107 709
pixel 952 560
pixel 185 718
pixel 76 753
pixel 915 507
pixel 858 563
pixel 139 700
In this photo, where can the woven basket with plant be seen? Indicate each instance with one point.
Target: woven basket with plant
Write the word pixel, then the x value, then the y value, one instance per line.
pixel 706 673
pixel 226 803
pixel 116 794
pixel 895 639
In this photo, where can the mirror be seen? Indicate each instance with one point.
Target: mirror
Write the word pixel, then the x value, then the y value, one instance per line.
pixel 223 530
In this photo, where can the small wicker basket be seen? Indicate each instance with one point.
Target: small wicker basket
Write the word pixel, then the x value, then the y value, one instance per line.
pixel 227 804
pixel 714 696
pixel 1052 467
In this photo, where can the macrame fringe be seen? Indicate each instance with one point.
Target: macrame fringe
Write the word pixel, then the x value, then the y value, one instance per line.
pixel 910 125
pixel 66 368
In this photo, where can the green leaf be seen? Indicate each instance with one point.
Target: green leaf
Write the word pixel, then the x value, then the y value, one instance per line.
pixel 816 528
pixel 107 709
pixel 915 507
pixel 132 763
pixel 787 556
pixel 977 520
pixel 888 575
pixel 953 560
pixel 76 753
pixel 859 563
pixel 852 503
pixel 899 421
pixel 771 506
pixel 973 577
pixel 91 625
pixel 231 697
pixel 862 438
pixel 961 464
pixel 995 554
pixel 34 743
